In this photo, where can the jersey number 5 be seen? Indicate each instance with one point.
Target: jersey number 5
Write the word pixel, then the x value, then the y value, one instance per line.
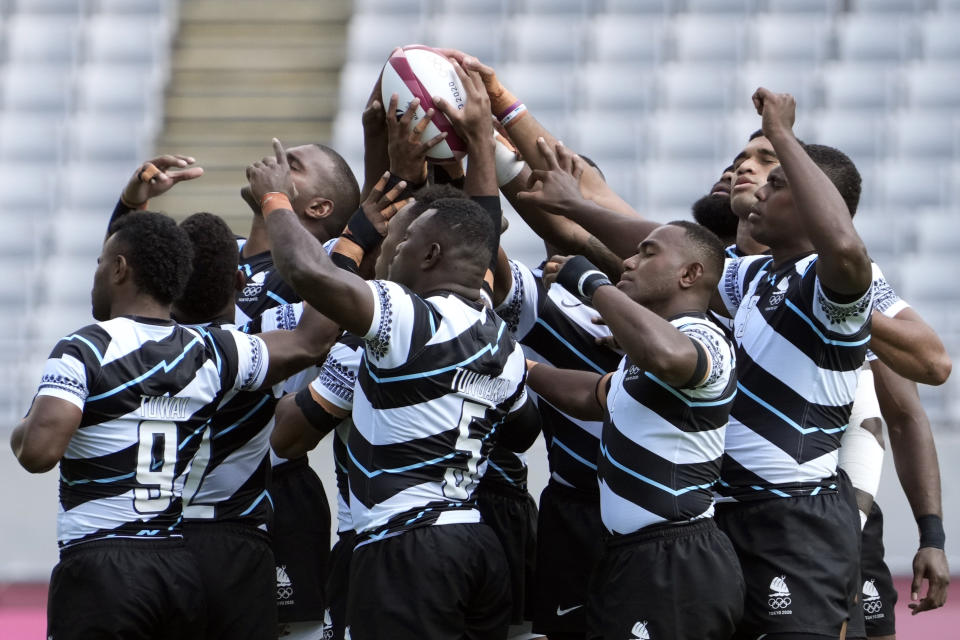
pixel 457 483
pixel 156 459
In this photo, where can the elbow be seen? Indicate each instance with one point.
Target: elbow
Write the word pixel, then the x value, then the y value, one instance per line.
pixel 37 462
pixel 939 369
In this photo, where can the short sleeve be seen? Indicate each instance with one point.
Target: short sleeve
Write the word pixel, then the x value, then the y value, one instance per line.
pixel 338 375
pixel 401 323
pixel 721 362
pixel 519 308
pixel 252 361
pixel 885 299
pixel 65 375
pixel 844 318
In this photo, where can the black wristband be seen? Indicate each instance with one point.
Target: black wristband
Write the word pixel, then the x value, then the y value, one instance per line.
pixel 363 232
pixel 314 413
pixel 931 531
pixel 344 262
pixel 581 278
pixel 392 181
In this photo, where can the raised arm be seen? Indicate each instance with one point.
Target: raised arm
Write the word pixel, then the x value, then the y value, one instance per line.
pixel 151 179
pixel 843 265
pixel 306 345
pixel 910 347
pixel 299 257
pixel 915 458
pixel 576 393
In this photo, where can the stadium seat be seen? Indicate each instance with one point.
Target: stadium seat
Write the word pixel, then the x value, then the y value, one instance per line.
pixel 623 7
pixel 58 318
pixel 726 7
pixel 938 37
pixel 917 133
pixel 372 37
pixel 618 88
pixel 622 178
pixel 18 245
pixel 709 39
pixel 66 8
pixel 67 280
pixel 472 8
pixel 538 39
pixel 673 185
pixel 144 42
pixel 96 138
pixel 695 87
pixel 97 89
pixel 28 187
pixel 541 87
pixel 791 77
pixel 933 85
pixel 853 86
pixel 859 135
pixel 93 186
pixel 917 283
pixel 890 6
pixel 936 232
pixel 42 39
pixel 457 33
pixel 598 135
pixel 627 40
pixel 679 136
pixel 34 88
pixel 910 185
pixel 389 7
pixel 880 237
pixel 567 8
pixel 30 137
pixel 146 7
pixel 817 7
pixel 876 38
pixel 797 39
pixel 79 233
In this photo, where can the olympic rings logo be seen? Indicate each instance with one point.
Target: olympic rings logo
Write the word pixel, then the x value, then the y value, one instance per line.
pixel 873 606
pixel 779 602
pixel 284 593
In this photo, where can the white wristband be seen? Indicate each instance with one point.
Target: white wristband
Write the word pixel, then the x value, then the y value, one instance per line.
pixel 508 166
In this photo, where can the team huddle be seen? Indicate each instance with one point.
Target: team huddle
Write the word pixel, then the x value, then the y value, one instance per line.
pixel 710 395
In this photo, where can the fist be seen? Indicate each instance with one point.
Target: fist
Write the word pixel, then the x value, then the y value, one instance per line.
pixel 271 175
pixel 778 110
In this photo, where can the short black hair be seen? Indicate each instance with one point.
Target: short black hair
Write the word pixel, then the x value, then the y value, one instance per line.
pixel 342 189
pixel 158 251
pixel 841 171
pixel 466 225
pixel 424 197
pixel 215 258
pixel 714 213
pixel 756 134
pixel 707 247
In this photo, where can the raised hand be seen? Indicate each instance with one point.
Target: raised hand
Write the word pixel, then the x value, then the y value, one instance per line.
pixel 557 188
pixel 407 151
pixel 271 175
pixel 779 111
pixel 473 122
pixel 500 98
pixel 157 176
pixel 379 207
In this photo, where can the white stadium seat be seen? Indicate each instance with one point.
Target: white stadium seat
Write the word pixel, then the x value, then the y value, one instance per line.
pixel 710 39
pixel 618 88
pixel 890 6
pixel 487 44
pixel 41 38
pixel 790 38
pixel 106 138
pixel 144 40
pixel 861 136
pixel 539 39
pixel 598 135
pixel 818 7
pixel 622 7
pixel 473 8
pixel 909 185
pixel 28 187
pixel 856 86
pixel 933 85
pixel 567 8
pixel 30 137
pixel 876 38
pixel 97 88
pixel 373 37
pixel 679 136
pixel 541 87
pixel 628 40
pixel 726 7
pixel 918 133
pixel 938 37
pixel 93 185
pixel 695 87
pixel 36 88
pixel 79 233
pixel 388 7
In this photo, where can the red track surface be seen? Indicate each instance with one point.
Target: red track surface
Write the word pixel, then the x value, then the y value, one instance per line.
pixel 23 617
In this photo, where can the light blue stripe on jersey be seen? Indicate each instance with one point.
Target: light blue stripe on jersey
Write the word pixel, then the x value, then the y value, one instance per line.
pixel 263 494
pixel 686 401
pixel 573 349
pixel 72 483
pixel 834 343
pixel 89 344
pixel 273 296
pixel 491 348
pixel 651 482
pixel 213 343
pixel 244 418
pixel 500 471
pixel 573 454
pixel 783 416
pixel 163 364
pixel 419 465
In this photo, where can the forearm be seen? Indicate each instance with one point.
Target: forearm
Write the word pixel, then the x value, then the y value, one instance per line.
pixel 910 347
pixel 914 449
pixel 258 239
pixel 376 162
pixel 300 258
pixel 618 232
pixel 572 392
pixel 844 265
pixel 652 343
pixel 293 435
pixel 481 177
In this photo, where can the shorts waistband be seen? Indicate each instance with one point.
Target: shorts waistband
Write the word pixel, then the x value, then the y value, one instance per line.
pixel 123 543
pixel 572 493
pixel 503 489
pixel 666 531
pixel 192 527
pixel 291 465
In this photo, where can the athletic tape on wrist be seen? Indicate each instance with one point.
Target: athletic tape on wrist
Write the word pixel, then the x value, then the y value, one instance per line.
pixel 363 232
pixel 513 115
pixel 508 166
pixel 273 201
pixel 581 278
pixel 931 531
pixel 501 101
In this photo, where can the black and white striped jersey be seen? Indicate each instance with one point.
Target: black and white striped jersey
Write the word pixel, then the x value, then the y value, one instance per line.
pixel 147 389
pixel 230 474
pixel 335 384
pixel 799 354
pixel 555 327
pixel 661 447
pixel 439 375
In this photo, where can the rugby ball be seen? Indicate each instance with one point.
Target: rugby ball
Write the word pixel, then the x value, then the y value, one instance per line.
pixel 416 71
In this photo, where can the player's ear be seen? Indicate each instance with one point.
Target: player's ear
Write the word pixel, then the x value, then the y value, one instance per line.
pixel 239 280
pixel 432 257
pixel 120 270
pixel 690 274
pixel 319 208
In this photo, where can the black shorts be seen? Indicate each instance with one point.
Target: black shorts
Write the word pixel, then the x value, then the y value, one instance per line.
pixel 670 581
pixel 239 578
pixel 878 595
pixel 569 533
pixel 338 584
pixel 440 582
pixel 513 517
pixel 800 560
pixel 301 541
pixel 147 589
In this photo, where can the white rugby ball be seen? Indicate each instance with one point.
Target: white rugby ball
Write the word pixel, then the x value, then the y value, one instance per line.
pixel 416 71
